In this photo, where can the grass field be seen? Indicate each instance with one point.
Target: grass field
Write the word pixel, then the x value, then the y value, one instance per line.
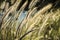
pixel 35 25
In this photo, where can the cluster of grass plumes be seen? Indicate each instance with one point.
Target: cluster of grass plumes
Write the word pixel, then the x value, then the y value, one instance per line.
pixel 37 25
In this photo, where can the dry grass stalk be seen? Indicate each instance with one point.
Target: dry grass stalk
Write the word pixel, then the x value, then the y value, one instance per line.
pixel 11 9
pixel 4 25
pixel 43 10
pixel 21 10
pixel 44 23
pixel 33 3
pixel 32 12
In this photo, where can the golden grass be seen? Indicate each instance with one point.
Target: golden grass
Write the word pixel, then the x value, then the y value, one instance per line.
pixel 42 25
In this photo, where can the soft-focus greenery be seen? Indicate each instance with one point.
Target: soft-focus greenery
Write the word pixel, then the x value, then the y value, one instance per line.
pixel 37 25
